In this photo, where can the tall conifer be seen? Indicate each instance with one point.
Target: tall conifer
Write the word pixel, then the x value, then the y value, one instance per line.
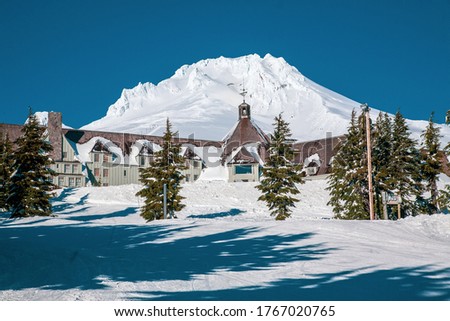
pixel 404 167
pixel 280 174
pixel 348 184
pixel 6 169
pixel 381 157
pixel 431 164
pixel 165 169
pixel 31 182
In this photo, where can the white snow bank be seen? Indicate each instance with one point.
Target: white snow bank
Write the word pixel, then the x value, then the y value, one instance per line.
pixel 216 173
pixel 124 194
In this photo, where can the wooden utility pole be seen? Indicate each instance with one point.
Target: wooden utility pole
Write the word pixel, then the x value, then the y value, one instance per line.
pixel 366 109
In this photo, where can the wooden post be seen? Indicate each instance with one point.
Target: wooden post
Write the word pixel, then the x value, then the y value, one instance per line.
pixel 399 212
pixel 385 213
pixel 369 161
pixel 165 200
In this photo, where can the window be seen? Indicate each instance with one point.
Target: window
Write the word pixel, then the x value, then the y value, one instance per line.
pixel 243 169
pixel 64 155
pixel 105 157
pixel 61 181
pixel 105 184
pixel 197 164
pixel 124 172
pixel 78 182
pixel 195 177
pixel 71 181
pixel 75 168
pixel 96 157
pixel 66 168
pixel 188 178
pixel 142 160
pixel 97 172
pixel 105 172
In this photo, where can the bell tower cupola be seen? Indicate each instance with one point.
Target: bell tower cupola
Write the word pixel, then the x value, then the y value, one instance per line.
pixel 244 108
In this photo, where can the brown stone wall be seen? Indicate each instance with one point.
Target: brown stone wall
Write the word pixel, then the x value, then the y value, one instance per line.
pixel 55 134
pixel 325 148
pixel 13 131
pixel 125 140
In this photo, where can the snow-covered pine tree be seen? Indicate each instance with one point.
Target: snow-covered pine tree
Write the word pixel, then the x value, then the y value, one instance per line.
pixel 404 167
pixel 348 184
pixel 6 169
pixel 31 182
pixel 165 169
pixel 280 174
pixel 381 157
pixel 444 197
pixel 431 164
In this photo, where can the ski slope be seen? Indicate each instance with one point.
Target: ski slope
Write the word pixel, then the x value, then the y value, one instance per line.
pixel 223 246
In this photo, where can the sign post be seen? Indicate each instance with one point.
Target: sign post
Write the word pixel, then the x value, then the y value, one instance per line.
pixel 165 200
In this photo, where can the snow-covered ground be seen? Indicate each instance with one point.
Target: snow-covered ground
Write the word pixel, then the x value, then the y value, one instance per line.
pixel 224 245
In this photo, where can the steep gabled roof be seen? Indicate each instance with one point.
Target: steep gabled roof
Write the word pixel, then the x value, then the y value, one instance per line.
pixel 245 132
pixel 248 153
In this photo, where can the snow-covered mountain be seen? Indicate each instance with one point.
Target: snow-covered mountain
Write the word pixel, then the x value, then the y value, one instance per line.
pixel 201 100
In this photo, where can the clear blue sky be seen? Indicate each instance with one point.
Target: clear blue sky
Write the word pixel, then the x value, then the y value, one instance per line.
pixel 77 56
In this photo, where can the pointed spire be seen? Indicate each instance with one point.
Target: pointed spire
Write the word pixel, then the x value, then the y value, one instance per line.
pixel 244 91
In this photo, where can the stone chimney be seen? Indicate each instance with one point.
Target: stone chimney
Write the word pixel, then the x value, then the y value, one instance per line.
pixel 54 127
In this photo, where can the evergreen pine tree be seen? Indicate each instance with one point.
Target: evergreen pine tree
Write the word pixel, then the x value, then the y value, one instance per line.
pixel 280 174
pixel 444 197
pixel 6 169
pixel 165 169
pixel 381 157
pixel 431 164
pixel 31 183
pixel 404 167
pixel 348 184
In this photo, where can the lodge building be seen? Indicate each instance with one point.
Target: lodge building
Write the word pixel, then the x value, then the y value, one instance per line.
pixel 98 158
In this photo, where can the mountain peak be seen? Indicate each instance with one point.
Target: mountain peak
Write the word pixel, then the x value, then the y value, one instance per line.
pixel 201 99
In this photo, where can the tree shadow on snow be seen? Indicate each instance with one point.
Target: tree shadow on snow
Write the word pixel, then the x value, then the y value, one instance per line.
pixel 232 212
pixel 399 284
pixel 66 205
pixel 83 256
pixel 93 217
